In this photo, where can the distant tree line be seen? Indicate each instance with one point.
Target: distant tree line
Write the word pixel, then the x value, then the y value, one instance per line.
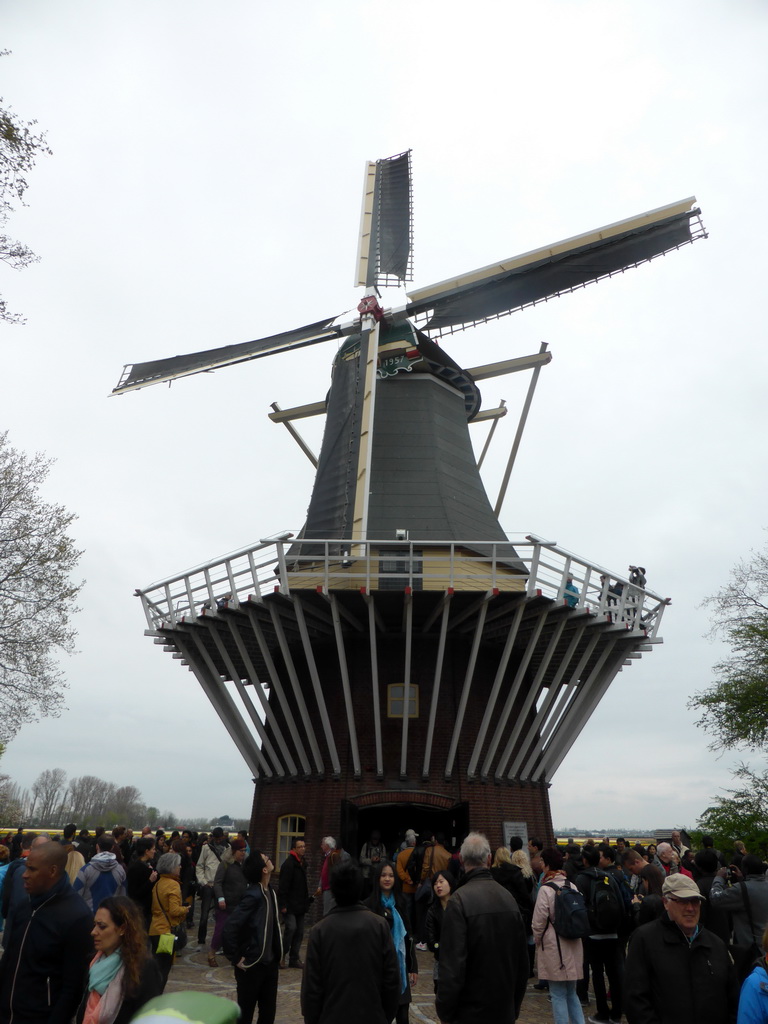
pixel 53 802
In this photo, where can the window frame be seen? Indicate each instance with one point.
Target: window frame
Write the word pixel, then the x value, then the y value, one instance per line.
pixel 412 700
pixel 289 834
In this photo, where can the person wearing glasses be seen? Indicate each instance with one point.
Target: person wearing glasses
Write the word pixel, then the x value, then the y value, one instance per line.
pixel 676 970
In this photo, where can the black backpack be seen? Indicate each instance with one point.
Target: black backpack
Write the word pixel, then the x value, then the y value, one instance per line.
pixel 571 919
pixel 605 909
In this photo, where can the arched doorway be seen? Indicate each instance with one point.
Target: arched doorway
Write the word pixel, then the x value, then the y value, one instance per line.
pixel 391 818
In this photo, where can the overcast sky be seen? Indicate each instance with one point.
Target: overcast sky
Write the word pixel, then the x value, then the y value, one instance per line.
pixel 204 189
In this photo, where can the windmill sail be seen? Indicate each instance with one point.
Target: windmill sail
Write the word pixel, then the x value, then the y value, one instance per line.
pixel 385 251
pixel 140 375
pixel 502 288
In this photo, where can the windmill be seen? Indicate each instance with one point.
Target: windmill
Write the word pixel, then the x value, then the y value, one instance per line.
pixel 400 650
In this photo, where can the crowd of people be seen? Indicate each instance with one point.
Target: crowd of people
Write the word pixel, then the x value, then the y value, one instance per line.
pixel 91 926
pixel 91 923
pixel 666 933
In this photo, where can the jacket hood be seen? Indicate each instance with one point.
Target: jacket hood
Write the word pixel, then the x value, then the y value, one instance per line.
pixel 103 861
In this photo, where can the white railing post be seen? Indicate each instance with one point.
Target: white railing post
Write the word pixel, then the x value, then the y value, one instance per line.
pixel 284 588
pixel 535 558
pixel 254 574
pixel 169 603
pixel 585 586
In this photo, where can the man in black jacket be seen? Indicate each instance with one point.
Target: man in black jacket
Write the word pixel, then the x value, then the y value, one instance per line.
pixel 352 973
pixel 483 949
pixel 252 942
pixel 676 971
pixel 603 947
pixel 293 899
pixel 43 970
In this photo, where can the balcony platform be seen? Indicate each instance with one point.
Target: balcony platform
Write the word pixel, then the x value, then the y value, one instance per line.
pixel 295 652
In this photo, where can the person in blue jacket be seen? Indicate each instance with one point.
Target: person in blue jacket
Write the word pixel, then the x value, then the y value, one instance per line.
pixel 753 1001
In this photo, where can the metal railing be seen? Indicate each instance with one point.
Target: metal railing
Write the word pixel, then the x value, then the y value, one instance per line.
pixel 282 564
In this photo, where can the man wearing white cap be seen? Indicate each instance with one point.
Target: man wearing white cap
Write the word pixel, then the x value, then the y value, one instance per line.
pixel 676 971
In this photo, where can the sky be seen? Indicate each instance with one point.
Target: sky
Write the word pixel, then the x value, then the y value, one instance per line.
pixel 205 189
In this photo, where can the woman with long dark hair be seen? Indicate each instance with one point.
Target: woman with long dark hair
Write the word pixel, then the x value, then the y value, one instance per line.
pixel 387 900
pixel 122 976
pixel 443 884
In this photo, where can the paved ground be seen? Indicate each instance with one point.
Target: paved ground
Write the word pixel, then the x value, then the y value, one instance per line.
pixel 191 971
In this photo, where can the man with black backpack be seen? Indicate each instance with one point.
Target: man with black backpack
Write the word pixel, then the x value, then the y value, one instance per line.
pixel 608 864
pixel 604 950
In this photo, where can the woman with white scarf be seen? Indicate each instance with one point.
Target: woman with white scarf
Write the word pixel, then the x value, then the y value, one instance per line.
pixel 122 976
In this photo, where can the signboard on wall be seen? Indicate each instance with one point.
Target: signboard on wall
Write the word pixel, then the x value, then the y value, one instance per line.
pixel 515 828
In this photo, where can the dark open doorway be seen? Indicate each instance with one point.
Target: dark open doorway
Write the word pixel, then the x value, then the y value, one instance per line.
pixel 392 820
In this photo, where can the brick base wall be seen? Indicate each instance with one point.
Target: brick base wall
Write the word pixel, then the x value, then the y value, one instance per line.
pixel 349 809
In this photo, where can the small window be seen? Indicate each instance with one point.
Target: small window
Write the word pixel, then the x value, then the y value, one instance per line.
pixel 395 697
pixel 399 568
pixel 289 827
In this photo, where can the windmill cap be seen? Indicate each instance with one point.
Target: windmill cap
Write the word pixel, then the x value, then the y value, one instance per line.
pixel 682 886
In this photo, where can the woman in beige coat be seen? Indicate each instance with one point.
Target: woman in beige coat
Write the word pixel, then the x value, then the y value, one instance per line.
pixel 561 967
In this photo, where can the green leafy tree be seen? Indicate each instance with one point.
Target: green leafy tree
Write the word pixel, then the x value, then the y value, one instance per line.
pixel 742 814
pixel 734 710
pixel 20 146
pixel 37 592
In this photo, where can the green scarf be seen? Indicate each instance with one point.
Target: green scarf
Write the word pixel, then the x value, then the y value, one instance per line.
pixel 103 971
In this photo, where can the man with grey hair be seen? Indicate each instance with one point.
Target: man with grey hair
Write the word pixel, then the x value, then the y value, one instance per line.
pixel 666 860
pixel 483 949
pixel 332 855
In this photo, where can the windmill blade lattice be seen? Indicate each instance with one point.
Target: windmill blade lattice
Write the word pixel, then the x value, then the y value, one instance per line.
pixel 385 252
pixel 500 289
pixel 140 375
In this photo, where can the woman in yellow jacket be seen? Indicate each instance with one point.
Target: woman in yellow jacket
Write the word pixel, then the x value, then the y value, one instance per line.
pixel 167 912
